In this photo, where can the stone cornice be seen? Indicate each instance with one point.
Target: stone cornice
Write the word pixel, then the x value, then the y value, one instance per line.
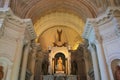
pixel 88 28
pixel 8 15
pixel 94 22
pixel 30 29
pixel 107 16
pixel 10 20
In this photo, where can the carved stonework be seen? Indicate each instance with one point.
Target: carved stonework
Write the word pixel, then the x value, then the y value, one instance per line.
pixel 30 29
pixel 117 30
pixel 100 25
pixel 116 15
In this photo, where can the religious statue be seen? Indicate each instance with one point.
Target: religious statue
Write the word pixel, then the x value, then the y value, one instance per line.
pixel 59 66
pixel 59 34
pixel 117 73
pixel 1 72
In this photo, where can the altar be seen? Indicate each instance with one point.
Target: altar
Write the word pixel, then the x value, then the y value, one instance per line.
pixel 60 76
pixel 60 61
pixel 59 56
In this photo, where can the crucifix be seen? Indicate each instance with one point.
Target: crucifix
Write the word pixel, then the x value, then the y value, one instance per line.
pixel 59 34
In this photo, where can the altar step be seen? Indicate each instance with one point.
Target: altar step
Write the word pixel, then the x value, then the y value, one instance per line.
pixel 52 77
pixel 60 78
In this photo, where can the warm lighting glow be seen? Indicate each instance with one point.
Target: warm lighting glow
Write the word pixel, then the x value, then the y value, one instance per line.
pixel 71 25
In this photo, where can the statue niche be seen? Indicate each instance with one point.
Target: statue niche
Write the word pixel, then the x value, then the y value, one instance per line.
pixel 59 66
pixel 59 63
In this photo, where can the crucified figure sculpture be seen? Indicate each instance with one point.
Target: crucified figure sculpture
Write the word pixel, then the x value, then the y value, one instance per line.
pixel 59 34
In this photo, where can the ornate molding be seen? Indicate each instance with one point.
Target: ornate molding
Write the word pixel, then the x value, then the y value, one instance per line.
pixel 30 29
pixel 88 28
pixel 10 20
pixel 107 16
pixel 116 15
pixel 96 23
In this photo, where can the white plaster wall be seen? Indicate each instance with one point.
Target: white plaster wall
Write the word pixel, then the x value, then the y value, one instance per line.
pixel 110 40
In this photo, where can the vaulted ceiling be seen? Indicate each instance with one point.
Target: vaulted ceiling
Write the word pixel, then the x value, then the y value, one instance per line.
pixel 37 8
pixel 50 15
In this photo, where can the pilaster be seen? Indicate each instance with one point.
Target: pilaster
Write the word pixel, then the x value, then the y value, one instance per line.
pixel 95 62
pixel 33 59
pixel 24 63
pixel 13 32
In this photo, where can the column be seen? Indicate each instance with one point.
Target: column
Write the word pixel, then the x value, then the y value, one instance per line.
pixel 8 73
pixel 87 61
pixel 53 66
pixel 95 63
pixel 17 59
pixel 33 62
pixel 101 55
pixel 69 63
pixel 24 63
pixel 66 63
pixel 102 61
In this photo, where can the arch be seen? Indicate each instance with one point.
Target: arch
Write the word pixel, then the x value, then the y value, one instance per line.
pixel 7 64
pixel 113 56
pixel 60 55
pixel 115 65
pixel 112 59
pixel 4 61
